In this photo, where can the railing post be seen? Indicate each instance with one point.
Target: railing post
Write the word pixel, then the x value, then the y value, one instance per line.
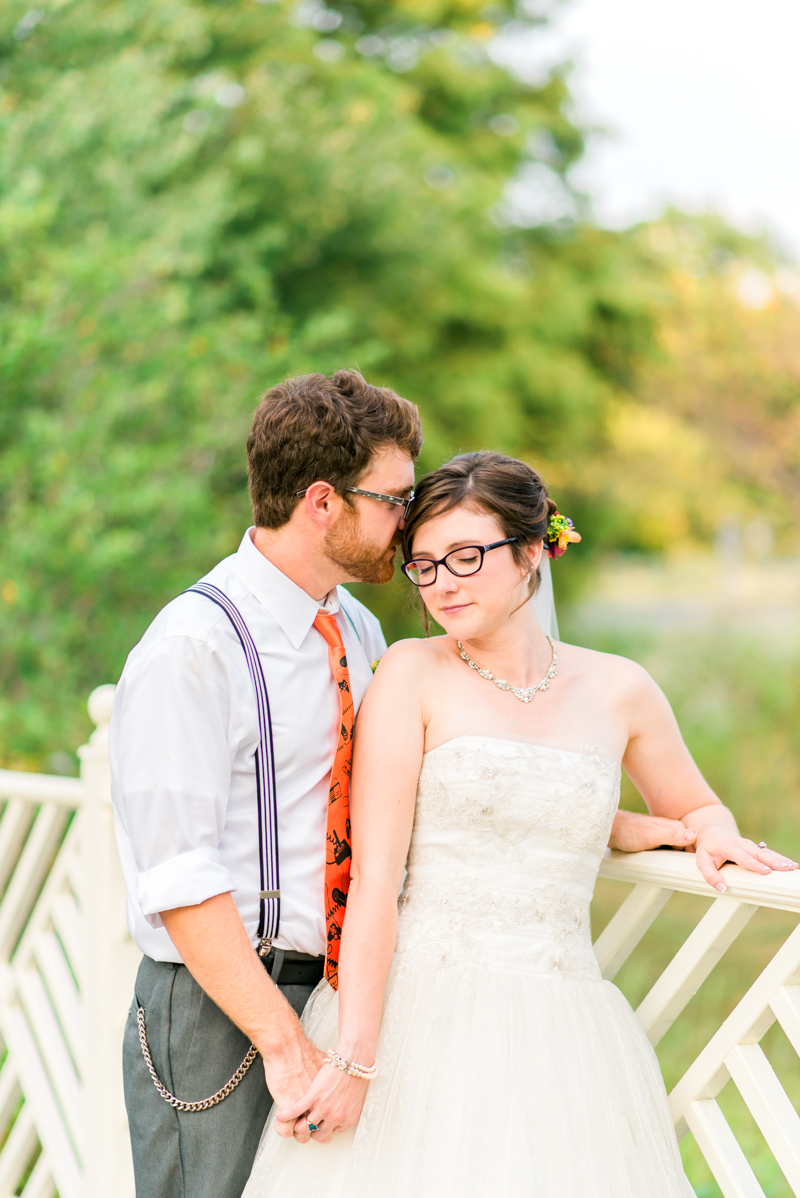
pixel 107 970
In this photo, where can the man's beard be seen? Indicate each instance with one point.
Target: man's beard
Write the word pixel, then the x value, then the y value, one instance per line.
pixel 363 560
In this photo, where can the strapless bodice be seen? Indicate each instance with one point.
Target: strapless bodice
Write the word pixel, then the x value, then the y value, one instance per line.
pixel 507 841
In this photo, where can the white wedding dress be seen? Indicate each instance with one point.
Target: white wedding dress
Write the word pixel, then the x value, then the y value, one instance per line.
pixel 508 1067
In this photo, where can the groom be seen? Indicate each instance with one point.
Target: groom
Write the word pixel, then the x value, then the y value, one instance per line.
pixel 231 736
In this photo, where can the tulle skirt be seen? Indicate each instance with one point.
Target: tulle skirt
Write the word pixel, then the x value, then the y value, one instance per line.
pixel 492 1083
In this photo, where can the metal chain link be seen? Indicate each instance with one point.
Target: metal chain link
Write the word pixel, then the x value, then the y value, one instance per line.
pixel 204 1103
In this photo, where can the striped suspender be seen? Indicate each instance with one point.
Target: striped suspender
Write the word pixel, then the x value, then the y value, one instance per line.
pixel 270 893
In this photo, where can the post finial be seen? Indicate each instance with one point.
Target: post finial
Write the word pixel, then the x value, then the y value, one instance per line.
pixel 101 701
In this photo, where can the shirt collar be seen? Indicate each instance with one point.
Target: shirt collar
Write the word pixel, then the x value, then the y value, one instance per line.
pixel 292 607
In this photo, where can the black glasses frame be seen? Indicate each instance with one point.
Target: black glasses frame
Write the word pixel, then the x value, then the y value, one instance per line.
pixel 482 550
pixel 396 500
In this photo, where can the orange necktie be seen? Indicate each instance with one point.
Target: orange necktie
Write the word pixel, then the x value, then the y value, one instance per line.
pixel 337 847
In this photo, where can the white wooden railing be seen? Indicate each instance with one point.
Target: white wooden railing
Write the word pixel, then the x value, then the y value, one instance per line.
pixel 733 1052
pixel 67 967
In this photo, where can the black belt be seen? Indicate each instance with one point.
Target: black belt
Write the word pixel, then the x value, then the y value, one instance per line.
pixel 290 968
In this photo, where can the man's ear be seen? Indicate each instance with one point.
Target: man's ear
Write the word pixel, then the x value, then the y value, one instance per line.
pixel 322 504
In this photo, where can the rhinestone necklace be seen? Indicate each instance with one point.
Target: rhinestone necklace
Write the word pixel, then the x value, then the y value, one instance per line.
pixel 523 693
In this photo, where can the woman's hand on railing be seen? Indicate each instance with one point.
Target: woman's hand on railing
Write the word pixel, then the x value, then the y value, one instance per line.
pixel 717 844
pixel 714 843
pixel 635 833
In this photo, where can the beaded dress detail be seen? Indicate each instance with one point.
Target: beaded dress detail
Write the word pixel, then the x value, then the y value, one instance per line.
pixel 507 1065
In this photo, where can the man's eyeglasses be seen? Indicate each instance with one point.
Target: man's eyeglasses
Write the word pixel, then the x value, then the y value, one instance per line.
pixel 422 571
pixel 395 500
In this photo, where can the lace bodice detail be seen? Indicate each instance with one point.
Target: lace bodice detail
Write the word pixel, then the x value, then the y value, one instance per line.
pixel 507 840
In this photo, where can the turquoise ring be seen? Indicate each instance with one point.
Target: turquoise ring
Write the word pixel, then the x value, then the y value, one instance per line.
pixel 313 1126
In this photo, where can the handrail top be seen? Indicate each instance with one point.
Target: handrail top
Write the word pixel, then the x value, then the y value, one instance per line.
pixel 41 788
pixel 676 870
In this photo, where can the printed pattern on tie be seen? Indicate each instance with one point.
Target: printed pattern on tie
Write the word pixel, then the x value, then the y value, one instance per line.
pixel 337 848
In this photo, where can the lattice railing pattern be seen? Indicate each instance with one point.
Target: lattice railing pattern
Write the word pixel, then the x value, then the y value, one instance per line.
pixel 734 1051
pixel 40 1012
pixel 66 976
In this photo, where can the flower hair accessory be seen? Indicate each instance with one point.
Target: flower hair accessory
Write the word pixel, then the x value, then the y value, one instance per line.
pixel 560 533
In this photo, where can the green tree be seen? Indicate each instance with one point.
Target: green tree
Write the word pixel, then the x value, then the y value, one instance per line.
pixel 708 435
pixel 198 198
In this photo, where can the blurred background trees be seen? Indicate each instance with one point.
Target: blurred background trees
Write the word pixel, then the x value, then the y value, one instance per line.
pixel 198 198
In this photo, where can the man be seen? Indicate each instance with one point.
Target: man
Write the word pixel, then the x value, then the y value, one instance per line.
pixel 230 739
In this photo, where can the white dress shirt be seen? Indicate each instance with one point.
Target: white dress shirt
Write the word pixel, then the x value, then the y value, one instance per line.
pixel 183 737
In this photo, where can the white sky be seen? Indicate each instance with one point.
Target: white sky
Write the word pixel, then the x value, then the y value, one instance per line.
pixel 701 100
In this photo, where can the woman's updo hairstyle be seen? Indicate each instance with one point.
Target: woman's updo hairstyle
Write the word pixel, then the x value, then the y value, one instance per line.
pixel 492 484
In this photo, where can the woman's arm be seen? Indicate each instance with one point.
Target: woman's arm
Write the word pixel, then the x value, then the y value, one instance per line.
pixel 633 832
pixel 387 759
pixel 663 771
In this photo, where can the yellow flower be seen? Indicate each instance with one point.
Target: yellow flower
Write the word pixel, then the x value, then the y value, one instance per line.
pixel 560 533
pixel 568 536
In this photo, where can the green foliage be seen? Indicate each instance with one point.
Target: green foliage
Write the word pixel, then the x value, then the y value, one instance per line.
pixel 729 368
pixel 198 198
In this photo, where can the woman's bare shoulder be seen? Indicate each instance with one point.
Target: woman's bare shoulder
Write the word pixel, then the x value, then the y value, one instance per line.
pixel 412 653
pixel 608 667
pixel 405 676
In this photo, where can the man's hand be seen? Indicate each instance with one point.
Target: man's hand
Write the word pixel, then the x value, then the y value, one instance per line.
pixel 632 833
pixel 290 1073
pixel 217 951
pixel 333 1103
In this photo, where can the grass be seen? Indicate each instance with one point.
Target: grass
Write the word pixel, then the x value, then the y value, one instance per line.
pixel 737 699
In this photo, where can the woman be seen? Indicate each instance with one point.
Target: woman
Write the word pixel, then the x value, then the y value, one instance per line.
pixel 506 1065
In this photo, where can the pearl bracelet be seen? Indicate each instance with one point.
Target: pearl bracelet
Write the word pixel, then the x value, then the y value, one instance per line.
pixel 367 1072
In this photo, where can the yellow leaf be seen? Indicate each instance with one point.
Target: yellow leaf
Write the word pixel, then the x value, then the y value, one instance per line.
pixel 360 112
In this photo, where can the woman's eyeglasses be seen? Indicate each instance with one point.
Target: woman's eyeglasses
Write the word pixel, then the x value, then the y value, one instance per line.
pixel 422 571
pixel 396 500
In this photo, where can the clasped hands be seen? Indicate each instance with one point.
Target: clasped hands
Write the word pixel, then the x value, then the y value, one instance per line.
pixel 331 1103
pixel 714 845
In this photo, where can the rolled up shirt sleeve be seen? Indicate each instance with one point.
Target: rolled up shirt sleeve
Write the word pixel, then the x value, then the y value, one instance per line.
pixel 171 757
pixel 183 881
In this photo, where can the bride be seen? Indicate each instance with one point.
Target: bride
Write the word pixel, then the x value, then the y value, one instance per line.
pixel 505 1064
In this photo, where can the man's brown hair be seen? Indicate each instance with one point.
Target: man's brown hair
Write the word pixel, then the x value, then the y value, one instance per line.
pixel 318 429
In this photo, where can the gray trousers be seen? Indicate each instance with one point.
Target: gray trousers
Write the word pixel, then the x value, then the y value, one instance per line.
pixel 195 1049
